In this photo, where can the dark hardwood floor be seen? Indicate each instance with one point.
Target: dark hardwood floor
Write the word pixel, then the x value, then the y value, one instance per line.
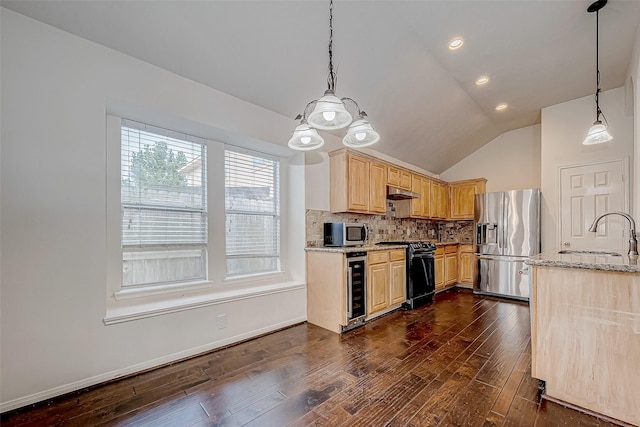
pixel 463 361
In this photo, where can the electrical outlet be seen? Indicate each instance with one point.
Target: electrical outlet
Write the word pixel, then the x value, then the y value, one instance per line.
pixel 222 321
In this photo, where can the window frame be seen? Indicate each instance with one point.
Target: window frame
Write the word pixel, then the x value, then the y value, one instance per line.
pixel 277 215
pixel 123 305
pixel 160 246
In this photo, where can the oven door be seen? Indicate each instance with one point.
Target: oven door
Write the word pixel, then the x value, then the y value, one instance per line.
pixel 421 275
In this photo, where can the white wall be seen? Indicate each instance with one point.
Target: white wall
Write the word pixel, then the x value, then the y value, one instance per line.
pixel 56 91
pixel 632 86
pixel 511 161
pixel 564 127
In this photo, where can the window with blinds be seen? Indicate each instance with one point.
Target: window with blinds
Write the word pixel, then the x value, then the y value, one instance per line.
pixel 163 206
pixel 252 208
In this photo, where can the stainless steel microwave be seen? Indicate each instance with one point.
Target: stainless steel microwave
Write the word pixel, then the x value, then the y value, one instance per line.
pixel 345 234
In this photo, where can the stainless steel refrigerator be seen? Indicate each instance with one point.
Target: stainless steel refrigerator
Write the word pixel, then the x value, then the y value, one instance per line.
pixel 507 232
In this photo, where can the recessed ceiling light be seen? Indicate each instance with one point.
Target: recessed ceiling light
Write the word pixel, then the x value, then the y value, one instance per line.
pixel 501 107
pixel 482 80
pixel 456 43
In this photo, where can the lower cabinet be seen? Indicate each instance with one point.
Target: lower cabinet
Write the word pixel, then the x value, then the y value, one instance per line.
pixel 451 265
pixel 466 264
pixel 439 267
pixel 386 280
pixel 454 264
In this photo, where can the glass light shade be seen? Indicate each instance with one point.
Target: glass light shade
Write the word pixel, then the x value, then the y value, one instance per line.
pixel 360 134
pixel 329 113
pixel 598 133
pixel 305 138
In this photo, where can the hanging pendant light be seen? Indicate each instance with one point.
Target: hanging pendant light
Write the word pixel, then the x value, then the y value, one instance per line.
pixel 305 138
pixel 330 113
pixel 360 133
pixel 599 132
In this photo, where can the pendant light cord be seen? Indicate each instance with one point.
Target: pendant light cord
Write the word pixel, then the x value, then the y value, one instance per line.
pixel 598 112
pixel 331 80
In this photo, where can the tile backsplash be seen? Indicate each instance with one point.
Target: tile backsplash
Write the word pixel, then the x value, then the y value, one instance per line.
pixel 386 227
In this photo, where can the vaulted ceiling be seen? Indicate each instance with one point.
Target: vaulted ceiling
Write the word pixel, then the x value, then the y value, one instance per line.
pixel 392 57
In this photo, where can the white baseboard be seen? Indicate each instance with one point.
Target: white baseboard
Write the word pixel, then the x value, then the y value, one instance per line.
pixel 87 382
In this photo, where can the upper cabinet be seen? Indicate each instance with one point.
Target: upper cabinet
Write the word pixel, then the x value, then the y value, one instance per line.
pixel 462 196
pixel 400 178
pixel 439 200
pixel 358 184
pixel 377 187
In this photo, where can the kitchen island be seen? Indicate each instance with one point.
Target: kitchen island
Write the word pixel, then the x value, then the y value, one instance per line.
pixel 585 332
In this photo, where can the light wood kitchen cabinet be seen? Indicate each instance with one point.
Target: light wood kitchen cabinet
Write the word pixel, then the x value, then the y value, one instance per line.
pixel 399 178
pixel 416 208
pixel 439 267
pixel 439 200
pixel 446 266
pixel 386 280
pixel 585 341
pixel 398 274
pixel 451 265
pixel 358 184
pixel 377 180
pixel 462 196
pixel 466 264
pixel 377 289
pixel 327 290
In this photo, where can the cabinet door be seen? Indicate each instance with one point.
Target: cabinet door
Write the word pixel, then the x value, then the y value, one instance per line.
pixel 358 183
pixel 462 196
pixel 393 176
pixel 465 267
pixel 416 204
pixel 405 180
pixel 377 290
pixel 443 201
pixel 439 271
pixel 398 288
pixel 438 206
pixel 451 268
pixel 377 188
pixel 425 196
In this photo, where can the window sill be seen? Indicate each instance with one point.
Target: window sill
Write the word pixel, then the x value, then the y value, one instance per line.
pixel 147 291
pixel 144 310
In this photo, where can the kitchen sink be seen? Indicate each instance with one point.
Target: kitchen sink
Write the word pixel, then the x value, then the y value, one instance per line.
pixel 594 253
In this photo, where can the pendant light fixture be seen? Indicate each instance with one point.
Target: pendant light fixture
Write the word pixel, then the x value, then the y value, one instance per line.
pixel 599 132
pixel 330 113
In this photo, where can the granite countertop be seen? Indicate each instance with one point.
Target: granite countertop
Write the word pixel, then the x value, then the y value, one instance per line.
pixel 348 249
pixel 586 262
pixel 370 247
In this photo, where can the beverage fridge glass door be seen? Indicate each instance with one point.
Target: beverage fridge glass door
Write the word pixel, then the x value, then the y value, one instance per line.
pixel 521 234
pixel 488 217
pixel 504 276
pixel 356 306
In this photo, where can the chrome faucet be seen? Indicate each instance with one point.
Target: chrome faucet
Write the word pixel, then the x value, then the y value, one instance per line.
pixel 633 242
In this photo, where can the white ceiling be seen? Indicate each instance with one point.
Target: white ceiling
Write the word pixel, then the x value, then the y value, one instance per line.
pixel 391 57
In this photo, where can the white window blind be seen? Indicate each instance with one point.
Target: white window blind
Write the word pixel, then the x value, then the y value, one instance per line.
pixel 164 206
pixel 252 207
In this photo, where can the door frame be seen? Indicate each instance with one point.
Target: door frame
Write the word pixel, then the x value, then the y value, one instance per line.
pixel 626 179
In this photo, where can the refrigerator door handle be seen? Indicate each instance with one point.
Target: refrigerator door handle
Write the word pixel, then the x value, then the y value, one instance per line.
pixel 481 234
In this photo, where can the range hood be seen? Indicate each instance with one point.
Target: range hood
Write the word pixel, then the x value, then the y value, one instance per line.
pixel 395 193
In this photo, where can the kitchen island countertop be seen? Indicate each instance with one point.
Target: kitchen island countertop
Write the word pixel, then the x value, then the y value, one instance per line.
pixel 622 264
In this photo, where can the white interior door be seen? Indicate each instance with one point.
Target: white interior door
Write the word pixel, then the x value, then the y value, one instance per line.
pixel 587 191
